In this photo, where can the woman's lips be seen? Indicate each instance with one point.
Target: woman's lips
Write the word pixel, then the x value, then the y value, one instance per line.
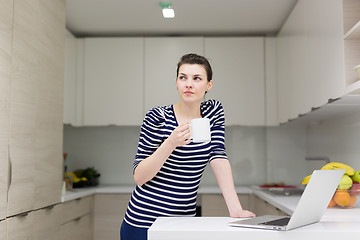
pixel 188 92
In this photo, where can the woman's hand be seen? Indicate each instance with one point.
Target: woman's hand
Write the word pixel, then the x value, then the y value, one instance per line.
pixel 180 136
pixel 242 214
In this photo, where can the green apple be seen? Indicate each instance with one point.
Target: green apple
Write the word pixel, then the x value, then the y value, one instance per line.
pixel 356 176
pixel 345 183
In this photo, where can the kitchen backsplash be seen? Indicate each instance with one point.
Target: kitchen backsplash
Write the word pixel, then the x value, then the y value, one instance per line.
pixel 257 154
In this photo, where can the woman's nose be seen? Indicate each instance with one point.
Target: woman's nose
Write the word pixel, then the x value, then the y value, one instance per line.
pixel 189 83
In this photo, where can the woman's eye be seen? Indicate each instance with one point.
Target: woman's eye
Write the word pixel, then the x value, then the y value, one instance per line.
pixel 181 77
pixel 197 78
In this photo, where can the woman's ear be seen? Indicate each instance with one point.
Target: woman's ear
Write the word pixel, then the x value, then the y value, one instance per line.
pixel 210 84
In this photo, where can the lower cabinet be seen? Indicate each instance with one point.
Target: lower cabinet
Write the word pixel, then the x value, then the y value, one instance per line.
pixel 35 225
pixel 3 230
pixel 213 205
pixel 76 219
pixel 262 207
pixel 109 211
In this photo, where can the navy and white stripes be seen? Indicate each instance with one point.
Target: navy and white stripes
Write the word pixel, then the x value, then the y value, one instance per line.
pixel 173 191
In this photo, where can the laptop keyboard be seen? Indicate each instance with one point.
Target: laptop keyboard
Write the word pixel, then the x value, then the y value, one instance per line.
pixel 277 222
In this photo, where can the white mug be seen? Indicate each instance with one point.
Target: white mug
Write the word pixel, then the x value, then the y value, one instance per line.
pixel 200 130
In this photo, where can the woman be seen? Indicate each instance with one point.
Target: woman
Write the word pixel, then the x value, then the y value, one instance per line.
pixel 168 166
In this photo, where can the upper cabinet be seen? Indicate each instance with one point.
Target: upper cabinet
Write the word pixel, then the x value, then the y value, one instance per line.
pixel 239 81
pixel 117 80
pixel 161 57
pixel 310 58
pixel 6 18
pixel 351 13
pixel 113 81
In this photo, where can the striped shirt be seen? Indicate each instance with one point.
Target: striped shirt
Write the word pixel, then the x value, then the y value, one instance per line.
pixel 173 190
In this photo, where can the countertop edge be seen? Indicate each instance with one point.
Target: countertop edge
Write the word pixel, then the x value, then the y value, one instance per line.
pixel 114 189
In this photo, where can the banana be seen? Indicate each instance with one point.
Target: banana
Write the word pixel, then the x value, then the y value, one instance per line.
pixel 306 180
pixel 335 165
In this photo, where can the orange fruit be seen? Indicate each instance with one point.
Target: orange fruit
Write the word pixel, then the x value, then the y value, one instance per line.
pixel 342 198
pixel 352 201
pixel 332 203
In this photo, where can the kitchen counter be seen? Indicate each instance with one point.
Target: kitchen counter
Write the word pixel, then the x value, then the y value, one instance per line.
pixel 335 224
pixel 87 191
pixel 83 192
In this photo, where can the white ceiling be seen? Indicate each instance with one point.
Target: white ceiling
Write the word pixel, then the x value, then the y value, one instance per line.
pixel 193 17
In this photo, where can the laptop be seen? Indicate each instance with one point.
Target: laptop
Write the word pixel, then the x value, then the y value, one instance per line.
pixel 310 208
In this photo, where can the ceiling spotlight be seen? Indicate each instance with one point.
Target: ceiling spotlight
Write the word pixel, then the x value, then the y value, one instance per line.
pixel 167 11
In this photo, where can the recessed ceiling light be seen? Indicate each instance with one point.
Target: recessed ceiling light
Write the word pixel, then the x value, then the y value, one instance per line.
pixel 167 11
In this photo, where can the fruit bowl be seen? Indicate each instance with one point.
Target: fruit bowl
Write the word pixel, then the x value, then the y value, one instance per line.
pixel 346 197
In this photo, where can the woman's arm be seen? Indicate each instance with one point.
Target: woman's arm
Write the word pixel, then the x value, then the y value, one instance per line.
pixel 151 165
pixel 223 174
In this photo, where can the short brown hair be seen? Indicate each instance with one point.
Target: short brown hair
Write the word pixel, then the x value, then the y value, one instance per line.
pixel 193 58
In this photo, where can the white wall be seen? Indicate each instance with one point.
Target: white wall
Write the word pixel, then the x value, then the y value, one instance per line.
pixel 111 150
pixel 257 154
pixel 339 139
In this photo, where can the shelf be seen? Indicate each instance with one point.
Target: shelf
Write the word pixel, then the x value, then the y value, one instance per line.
pixel 349 104
pixel 353 88
pixel 353 33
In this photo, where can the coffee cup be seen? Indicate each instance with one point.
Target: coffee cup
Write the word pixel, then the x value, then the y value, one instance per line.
pixel 200 130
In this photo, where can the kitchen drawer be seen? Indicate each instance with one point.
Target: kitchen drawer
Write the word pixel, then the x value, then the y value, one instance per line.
pixel 213 205
pixel 79 229
pixel 76 208
pixel 109 211
pixel 262 207
pixel 3 230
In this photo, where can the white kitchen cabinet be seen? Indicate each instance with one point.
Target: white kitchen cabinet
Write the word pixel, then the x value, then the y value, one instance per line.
pixel 36 104
pixel 109 212
pixel 239 81
pixel 310 58
pixel 113 81
pixel 161 57
pixel 6 17
pixel 213 205
pixel 73 80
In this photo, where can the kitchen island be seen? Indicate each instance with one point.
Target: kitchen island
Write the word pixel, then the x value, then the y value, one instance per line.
pixel 335 224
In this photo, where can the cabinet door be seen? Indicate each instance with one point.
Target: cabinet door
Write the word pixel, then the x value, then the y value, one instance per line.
pixel 109 212
pixel 113 81
pixel 213 205
pixel 264 208
pixel 46 223
pixel 79 229
pixel 20 227
pixel 36 105
pixel 73 80
pixel 239 82
pixel 161 57
pixel 310 58
pixel 6 17
pixel 3 232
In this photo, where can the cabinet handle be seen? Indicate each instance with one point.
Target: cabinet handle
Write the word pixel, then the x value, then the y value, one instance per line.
pixel 9 169
pixel 49 207
pixel 23 214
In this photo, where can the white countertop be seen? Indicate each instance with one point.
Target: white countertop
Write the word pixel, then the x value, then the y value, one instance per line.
pixel 87 191
pixel 335 224
pixel 215 228
pixel 108 189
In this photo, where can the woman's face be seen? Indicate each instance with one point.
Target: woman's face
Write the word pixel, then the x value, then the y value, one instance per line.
pixel 192 82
